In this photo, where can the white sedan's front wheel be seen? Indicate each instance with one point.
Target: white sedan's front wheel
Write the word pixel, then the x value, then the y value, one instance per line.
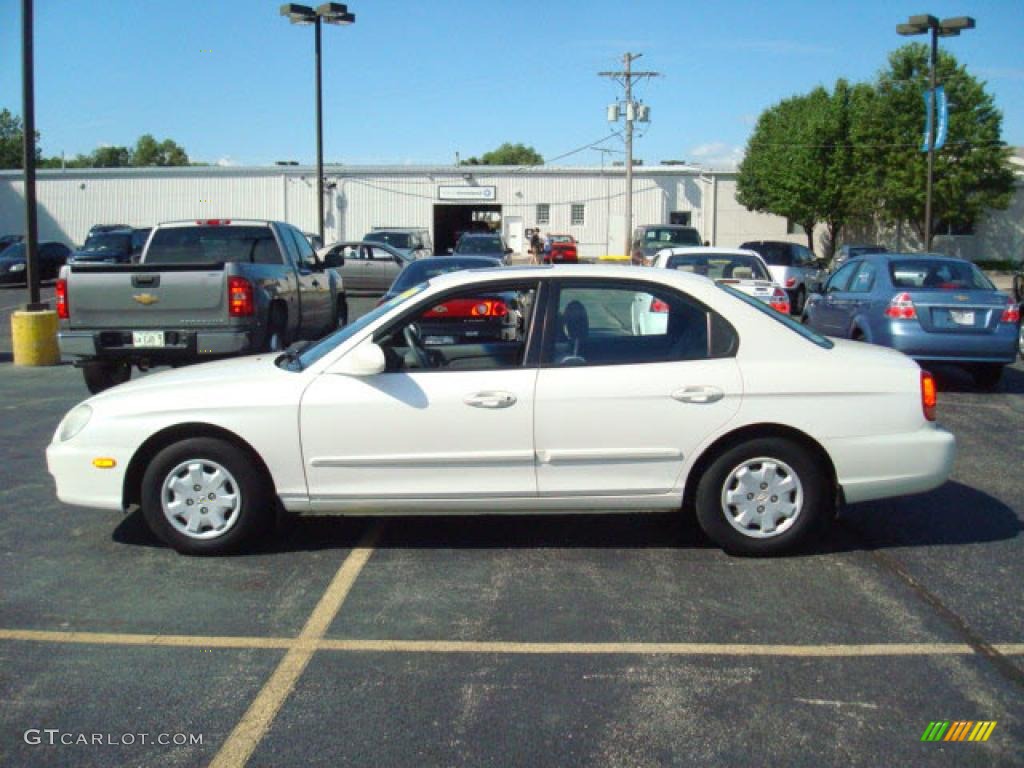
pixel 764 497
pixel 204 496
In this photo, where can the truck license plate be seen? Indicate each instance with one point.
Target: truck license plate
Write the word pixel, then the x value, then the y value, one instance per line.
pixel 147 338
pixel 961 318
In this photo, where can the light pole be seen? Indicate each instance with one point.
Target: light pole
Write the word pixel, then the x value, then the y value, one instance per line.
pixel 920 25
pixel 328 13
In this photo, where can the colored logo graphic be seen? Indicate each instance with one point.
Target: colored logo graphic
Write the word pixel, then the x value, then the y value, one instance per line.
pixel 958 730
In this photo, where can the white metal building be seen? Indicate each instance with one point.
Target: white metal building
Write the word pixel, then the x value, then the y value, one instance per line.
pixel 585 202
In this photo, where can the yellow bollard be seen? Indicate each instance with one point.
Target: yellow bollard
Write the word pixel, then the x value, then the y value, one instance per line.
pixel 35 337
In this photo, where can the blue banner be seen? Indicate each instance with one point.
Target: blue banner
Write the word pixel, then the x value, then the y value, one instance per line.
pixel 942 113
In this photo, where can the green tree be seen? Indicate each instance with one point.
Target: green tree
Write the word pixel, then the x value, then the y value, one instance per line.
pixel 12 132
pixel 111 157
pixel 508 154
pixel 971 170
pixel 148 151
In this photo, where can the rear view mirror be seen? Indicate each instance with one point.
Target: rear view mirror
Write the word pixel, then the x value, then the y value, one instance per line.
pixel 334 260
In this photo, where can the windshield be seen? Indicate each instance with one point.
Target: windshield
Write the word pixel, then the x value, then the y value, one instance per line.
pixel 662 238
pixel 938 275
pixel 425 269
pixel 329 343
pixel 479 245
pixel 774 314
pixel 15 251
pixel 394 239
pixel 212 244
pixel 721 266
pixel 105 242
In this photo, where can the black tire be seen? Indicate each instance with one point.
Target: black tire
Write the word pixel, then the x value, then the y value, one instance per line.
pixel 100 376
pixel 255 507
pixel 987 375
pixel 340 313
pixel 276 339
pixel 810 521
pixel 799 302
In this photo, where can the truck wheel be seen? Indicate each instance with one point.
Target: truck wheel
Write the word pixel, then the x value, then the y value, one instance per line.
pixel 277 332
pixel 205 496
pixel 340 313
pixel 101 376
pixel 764 497
pixel 800 301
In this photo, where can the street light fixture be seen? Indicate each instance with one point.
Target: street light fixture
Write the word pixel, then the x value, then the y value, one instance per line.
pixel 951 27
pixel 328 13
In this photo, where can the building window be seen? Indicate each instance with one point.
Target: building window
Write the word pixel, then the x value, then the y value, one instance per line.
pixel 681 218
pixel 577 215
pixel 792 228
pixel 543 213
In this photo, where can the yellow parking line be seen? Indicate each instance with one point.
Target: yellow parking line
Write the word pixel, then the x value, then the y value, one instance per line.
pixel 670 649
pixel 257 720
pixel 1009 649
pixel 122 638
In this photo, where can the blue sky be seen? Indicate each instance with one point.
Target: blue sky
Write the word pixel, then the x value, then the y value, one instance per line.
pixel 416 82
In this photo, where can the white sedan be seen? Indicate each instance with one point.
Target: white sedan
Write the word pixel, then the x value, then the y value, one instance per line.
pixel 572 409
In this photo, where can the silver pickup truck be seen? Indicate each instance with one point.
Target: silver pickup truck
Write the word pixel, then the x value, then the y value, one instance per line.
pixel 201 290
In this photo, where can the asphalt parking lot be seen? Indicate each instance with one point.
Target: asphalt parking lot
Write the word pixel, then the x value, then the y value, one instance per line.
pixel 589 640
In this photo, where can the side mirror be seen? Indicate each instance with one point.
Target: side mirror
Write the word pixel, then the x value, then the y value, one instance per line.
pixel 365 360
pixel 334 260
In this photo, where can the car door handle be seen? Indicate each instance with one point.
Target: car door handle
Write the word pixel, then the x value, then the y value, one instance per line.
pixel 491 400
pixel 701 394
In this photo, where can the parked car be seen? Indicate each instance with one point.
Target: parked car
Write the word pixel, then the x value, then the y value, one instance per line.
pixel 422 270
pixel 651 238
pixel 52 256
pixel 482 244
pixel 793 266
pixel 586 415
pixel 369 267
pixel 743 270
pixel 107 246
pixel 202 289
pixel 413 242
pixel 562 250
pixel 932 308
pixel 847 251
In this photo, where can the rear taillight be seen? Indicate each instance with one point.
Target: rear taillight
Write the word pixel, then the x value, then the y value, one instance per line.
pixel 61 294
pixel 901 307
pixel 240 297
pixel 790 282
pixel 659 306
pixel 1011 314
pixel 489 308
pixel 929 395
pixel 780 301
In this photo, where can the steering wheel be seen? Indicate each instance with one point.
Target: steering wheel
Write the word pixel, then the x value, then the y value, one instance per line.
pixel 411 334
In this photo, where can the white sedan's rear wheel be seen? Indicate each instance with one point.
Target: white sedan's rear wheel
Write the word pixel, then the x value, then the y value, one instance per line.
pixel 764 497
pixel 204 496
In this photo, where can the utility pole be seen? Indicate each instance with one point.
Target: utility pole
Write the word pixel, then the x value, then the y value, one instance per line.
pixel 633 111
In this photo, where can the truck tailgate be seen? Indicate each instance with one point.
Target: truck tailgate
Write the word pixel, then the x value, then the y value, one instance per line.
pixel 140 297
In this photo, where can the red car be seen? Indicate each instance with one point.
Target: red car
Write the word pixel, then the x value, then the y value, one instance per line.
pixel 563 250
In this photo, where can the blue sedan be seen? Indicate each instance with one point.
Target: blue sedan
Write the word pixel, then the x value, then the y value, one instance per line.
pixel 930 307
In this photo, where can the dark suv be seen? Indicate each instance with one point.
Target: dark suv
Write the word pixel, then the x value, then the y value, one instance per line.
pixel 482 244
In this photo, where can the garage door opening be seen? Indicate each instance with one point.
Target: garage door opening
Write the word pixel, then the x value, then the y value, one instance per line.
pixel 450 221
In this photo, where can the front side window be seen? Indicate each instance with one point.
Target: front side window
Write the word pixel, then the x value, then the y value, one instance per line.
pixel 778 317
pixel 841 279
pixel 474 328
pixel 307 256
pixel 614 324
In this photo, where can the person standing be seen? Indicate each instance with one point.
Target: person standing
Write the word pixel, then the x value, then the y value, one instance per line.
pixel 535 247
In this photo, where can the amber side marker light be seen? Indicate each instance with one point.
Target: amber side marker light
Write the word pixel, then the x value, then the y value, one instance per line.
pixel 929 395
pixel 104 463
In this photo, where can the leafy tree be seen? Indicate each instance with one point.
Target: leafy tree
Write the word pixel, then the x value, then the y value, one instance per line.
pixel 12 131
pixel 111 157
pixel 971 170
pixel 148 151
pixel 508 154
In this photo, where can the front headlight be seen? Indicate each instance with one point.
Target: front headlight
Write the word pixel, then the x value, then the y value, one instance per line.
pixel 17 267
pixel 74 422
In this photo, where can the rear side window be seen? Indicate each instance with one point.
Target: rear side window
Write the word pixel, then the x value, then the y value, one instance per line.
pixel 629 323
pixel 206 245
pixel 778 317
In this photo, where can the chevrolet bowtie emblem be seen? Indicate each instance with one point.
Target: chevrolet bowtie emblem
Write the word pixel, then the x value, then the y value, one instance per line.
pixel 961 297
pixel 145 298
